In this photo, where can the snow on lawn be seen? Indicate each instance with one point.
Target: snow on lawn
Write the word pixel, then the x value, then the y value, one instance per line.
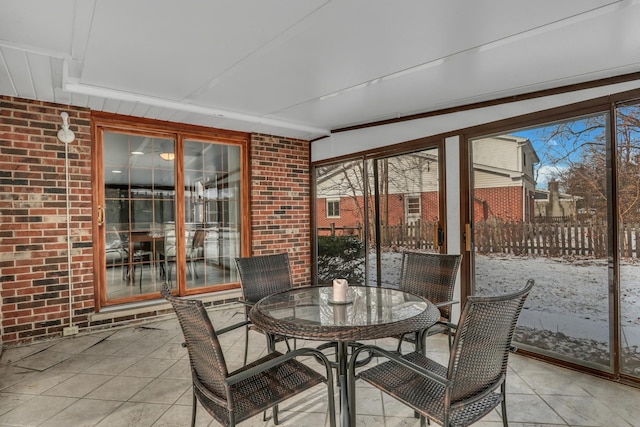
pixel 568 309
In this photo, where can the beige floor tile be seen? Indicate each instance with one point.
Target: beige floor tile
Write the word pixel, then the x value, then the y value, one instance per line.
pixel 78 343
pixel 83 413
pixel 162 390
pixel 107 347
pixel 179 369
pixel 43 361
pixel 119 388
pixel 113 365
pixel 138 349
pixel 78 386
pixel 78 363
pixel 527 408
pixel 36 411
pixel 147 367
pixel 178 416
pixel 36 382
pixel 170 350
pixel 9 401
pixel 134 414
pixel 584 411
pixel 627 408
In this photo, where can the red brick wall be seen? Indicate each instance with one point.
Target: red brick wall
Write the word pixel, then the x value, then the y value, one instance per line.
pixel 350 216
pixel 280 204
pixel 499 202
pixel 34 299
pixel 34 273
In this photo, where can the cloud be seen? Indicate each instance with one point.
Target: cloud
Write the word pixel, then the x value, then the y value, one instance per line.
pixel 546 172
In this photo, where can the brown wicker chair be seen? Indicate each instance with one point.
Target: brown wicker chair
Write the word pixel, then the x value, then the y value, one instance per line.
pixel 467 389
pixel 261 276
pixel 432 276
pixel 232 397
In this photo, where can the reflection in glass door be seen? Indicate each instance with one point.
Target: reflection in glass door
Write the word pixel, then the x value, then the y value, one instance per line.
pixel 408 208
pixel 628 193
pixel 212 212
pixel 540 202
pixel 379 208
pixel 139 190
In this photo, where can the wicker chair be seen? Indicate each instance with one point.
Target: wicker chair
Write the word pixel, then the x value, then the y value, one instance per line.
pixel 432 276
pixel 467 389
pixel 232 397
pixel 261 276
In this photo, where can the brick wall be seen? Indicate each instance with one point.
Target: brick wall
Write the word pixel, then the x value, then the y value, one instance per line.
pixel 34 273
pixel 34 277
pixel 280 204
pixel 499 202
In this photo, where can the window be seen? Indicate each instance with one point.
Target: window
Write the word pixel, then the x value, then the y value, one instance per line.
pixel 333 208
pixel 413 205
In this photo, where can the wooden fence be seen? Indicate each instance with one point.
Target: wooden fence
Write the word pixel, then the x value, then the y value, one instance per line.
pixel 517 238
pixel 553 239
pixel 416 235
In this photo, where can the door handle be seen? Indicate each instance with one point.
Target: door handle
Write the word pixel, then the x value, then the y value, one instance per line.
pixel 438 236
pixel 100 215
pixel 467 237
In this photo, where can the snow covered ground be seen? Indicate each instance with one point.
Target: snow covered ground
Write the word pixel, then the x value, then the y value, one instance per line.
pixel 569 302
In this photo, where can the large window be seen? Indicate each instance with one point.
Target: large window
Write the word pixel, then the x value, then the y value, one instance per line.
pixel 169 211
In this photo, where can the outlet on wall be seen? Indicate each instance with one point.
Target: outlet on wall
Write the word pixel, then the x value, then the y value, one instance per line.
pixel 71 330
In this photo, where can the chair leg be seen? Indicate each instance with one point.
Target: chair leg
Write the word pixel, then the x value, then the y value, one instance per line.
pixel 503 390
pixel 193 409
pixel 246 343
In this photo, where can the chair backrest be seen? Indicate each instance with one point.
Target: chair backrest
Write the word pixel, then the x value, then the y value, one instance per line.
pixel 205 354
pixel 478 359
pixel 198 239
pixel 430 275
pixel 197 243
pixel 264 275
pixel 170 241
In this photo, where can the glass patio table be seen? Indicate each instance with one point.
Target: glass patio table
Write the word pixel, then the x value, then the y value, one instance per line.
pixel 370 313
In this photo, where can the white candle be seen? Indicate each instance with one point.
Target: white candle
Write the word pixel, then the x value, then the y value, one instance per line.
pixel 340 290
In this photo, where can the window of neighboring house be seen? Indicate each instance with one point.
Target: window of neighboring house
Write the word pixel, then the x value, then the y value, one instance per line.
pixel 155 184
pixel 413 205
pixel 333 208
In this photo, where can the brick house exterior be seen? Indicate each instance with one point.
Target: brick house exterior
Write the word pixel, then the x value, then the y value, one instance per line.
pixel 34 273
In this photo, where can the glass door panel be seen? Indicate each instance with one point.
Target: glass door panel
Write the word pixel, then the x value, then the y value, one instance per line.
pixel 212 212
pixel 370 210
pixel 408 209
pixel 540 202
pixel 340 221
pixel 628 168
pixel 139 203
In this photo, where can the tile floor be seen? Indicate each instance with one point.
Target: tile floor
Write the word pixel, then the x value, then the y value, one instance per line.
pixel 139 376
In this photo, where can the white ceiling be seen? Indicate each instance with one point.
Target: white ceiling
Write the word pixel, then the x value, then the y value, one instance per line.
pixel 301 68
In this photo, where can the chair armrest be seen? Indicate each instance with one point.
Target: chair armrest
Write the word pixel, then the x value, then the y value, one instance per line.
pixel 232 327
pixel 245 302
pixel 399 360
pixel 240 376
pixel 445 303
pixel 448 324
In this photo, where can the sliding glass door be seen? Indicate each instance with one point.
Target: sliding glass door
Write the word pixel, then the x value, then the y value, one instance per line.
pixel 370 210
pixel 560 203
pixel 169 212
pixel 628 193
